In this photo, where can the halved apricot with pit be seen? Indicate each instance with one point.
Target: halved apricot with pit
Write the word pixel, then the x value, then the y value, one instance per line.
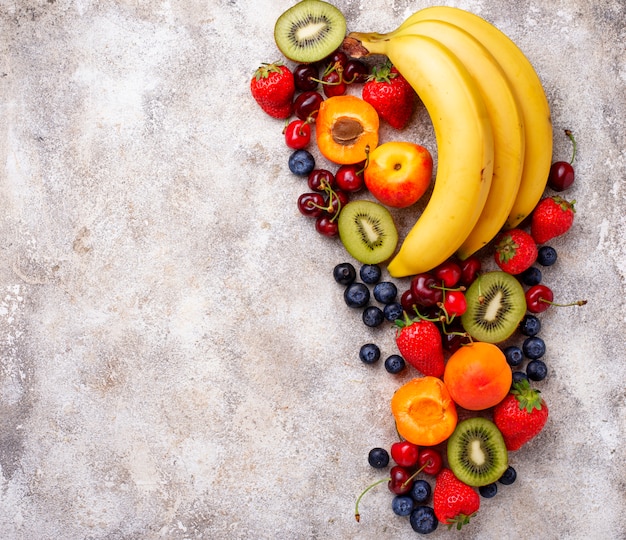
pixel 345 127
pixel 424 411
pixel 478 376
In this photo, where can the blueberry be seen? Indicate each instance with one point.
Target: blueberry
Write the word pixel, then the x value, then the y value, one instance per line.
pixel 385 292
pixel 402 505
pixel 378 458
pixel 301 162
pixel 488 491
pixel 514 355
pixel 395 364
pixel 530 325
pixel 344 273
pixel 518 376
pixel 534 347
pixel 370 273
pixel 393 311
pixel 369 353
pixel 356 295
pixel 537 370
pixel 508 476
pixel 531 276
pixel 546 256
pixel 423 520
pixel 373 316
pixel 421 491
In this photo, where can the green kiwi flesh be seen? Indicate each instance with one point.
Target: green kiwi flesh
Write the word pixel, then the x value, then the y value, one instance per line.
pixel 367 231
pixel 309 31
pixel 495 306
pixel 477 453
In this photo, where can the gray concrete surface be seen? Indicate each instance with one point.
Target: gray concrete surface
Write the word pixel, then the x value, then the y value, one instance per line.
pixel 176 361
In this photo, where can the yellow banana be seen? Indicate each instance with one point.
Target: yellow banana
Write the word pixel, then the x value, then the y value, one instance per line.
pixel 464 147
pixel 527 88
pixel 506 122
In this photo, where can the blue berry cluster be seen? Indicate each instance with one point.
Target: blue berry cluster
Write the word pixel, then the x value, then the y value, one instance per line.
pixel 490 490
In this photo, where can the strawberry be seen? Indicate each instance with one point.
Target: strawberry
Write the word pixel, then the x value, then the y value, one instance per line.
pixel 516 251
pixel 552 217
pixel 454 502
pixel 273 89
pixel 419 342
pixel 521 415
pixel 390 94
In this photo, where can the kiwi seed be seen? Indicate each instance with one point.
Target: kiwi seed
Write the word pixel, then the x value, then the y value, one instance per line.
pixel 367 231
pixel 477 453
pixel 310 31
pixel 495 307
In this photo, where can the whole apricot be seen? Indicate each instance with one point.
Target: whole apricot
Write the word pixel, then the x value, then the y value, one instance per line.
pixel 424 412
pixel 478 376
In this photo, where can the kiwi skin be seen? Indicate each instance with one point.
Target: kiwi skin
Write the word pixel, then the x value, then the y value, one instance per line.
pixel 309 31
pixel 495 306
pixel 367 231
pixel 473 440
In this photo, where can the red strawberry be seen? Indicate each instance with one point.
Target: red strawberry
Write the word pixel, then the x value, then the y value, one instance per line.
pixel 521 415
pixel 390 94
pixel 453 501
pixel 419 342
pixel 273 89
pixel 516 251
pixel 552 217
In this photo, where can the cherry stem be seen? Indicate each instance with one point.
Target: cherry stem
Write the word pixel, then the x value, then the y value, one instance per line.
pixel 367 160
pixel 577 303
pixel 571 137
pixel 357 516
pixel 414 475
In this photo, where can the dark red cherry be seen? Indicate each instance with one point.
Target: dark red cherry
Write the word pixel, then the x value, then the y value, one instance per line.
pixel 355 71
pixel 307 104
pixel 561 175
pixel 304 76
pixel 424 288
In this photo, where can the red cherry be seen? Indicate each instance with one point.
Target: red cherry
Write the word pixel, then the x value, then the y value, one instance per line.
pixel 311 204
pixel 307 104
pixel 470 268
pixel 333 83
pixel 304 77
pixel 561 175
pixel 336 201
pixel 538 298
pixel 298 134
pixel 355 71
pixel 454 303
pixel 404 453
pixel 449 273
pixel 336 57
pixel 326 225
pixel 350 177
pixel 407 301
pixel 321 180
pixel 430 461
pixel 425 291
pixel 399 482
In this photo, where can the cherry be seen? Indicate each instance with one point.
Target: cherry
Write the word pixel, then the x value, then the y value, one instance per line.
pixel 355 71
pixel 540 297
pixel 337 200
pixel 449 273
pixel 404 453
pixel 399 483
pixel 336 57
pixel 470 268
pixel 298 134
pixel 407 301
pixel 561 174
pixel 307 104
pixel 305 77
pixel 311 204
pixel 454 303
pixel 321 180
pixel 350 177
pixel 430 461
pixel 333 82
pixel 326 225
pixel 425 291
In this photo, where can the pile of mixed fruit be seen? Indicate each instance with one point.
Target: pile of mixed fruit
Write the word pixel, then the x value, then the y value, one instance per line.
pixel 470 334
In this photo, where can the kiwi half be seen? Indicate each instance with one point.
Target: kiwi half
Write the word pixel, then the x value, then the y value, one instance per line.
pixel 367 231
pixel 495 307
pixel 310 31
pixel 477 453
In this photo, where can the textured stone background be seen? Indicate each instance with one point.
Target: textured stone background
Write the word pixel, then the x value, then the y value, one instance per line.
pixel 176 360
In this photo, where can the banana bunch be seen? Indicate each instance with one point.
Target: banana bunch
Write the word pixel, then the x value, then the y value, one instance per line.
pixel 492 125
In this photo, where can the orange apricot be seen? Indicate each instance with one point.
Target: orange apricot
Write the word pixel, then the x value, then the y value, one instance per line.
pixel 425 413
pixel 345 126
pixel 478 376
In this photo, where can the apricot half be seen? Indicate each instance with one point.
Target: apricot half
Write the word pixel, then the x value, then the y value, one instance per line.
pixel 478 376
pixel 425 413
pixel 345 127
